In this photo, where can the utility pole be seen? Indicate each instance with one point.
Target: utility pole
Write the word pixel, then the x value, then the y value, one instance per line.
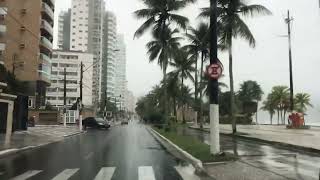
pixel 80 105
pixel 213 83
pixel 65 98
pixel 105 105
pixel 288 21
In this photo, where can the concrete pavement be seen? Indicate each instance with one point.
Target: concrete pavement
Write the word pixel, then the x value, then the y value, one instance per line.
pixel 306 138
pixel 127 152
pixel 259 160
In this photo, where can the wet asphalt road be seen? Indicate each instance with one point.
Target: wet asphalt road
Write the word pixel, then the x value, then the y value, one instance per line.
pixel 287 163
pixel 127 152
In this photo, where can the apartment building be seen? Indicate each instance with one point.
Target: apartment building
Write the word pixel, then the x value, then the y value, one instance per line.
pixel 120 73
pixel 109 54
pixel 64 22
pixel 86 36
pixel 26 34
pixel 71 61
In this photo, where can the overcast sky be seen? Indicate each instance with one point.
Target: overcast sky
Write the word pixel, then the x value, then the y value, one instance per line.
pixel 267 63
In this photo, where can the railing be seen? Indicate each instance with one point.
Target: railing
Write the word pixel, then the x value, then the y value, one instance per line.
pixel 45 58
pixel 46 8
pixel 45 25
pixel 46 42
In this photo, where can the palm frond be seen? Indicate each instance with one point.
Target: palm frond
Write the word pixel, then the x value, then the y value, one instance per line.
pixel 241 29
pixel 144 27
pixel 254 10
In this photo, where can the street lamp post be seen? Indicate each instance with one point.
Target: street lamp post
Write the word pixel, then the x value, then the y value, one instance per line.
pixel 213 83
pixel 288 21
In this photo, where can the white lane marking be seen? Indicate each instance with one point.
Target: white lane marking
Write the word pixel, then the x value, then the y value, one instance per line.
pixel 146 173
pixel 66 174
pixel 105 173
pixel 27 175
pixel 187 172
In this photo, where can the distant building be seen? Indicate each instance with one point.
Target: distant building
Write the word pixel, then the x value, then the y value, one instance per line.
pixel 86 36
pixel 64 23
pixel 109 54
pixel 70 60
pixel 130 101
pixel 120 76
pixel 26 34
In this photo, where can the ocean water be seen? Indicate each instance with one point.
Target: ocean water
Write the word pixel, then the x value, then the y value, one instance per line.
pixel 312 117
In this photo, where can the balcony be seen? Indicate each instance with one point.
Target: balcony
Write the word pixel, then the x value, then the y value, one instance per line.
pixel 43 76
pixel 46 43
pixel 47 12
pixel 47 27
pixel 2 46
pixel 3 29
pixel 45 58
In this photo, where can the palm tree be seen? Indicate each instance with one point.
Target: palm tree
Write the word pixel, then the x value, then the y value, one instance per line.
pixel 163 48
pixel 250 91
pixel 302 101
pixel 199 42
pixel 183 65
pixel 270 106
pixel 230 13
pixel 159 14
pixel 280 95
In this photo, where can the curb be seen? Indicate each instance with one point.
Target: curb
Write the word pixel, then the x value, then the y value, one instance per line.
pixel 280 144
pixel 194 161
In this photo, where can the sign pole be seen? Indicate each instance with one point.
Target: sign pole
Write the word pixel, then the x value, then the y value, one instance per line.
pixel 213 83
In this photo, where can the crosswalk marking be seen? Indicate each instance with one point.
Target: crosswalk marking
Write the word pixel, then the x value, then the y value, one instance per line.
pixel 27 175
pixel 105 173
pixel 187 173
pixel 146 173
pixel 66 174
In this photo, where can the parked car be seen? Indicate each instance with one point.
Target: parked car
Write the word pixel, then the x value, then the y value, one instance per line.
pixel 124 122
pixel 93 122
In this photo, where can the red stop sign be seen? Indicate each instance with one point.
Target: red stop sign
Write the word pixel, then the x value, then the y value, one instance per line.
pixel 214 71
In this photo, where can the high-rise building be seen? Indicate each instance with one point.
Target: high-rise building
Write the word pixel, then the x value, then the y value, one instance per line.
pixel 26 34
pixel 120 77
pixel 109 54
pixel 71 60
pixel 64 23
pixel 86 36
pixel 130 101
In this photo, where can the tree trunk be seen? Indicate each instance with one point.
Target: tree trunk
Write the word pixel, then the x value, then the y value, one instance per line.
pixel 196 83
pixel 183 102
pixel 278 116
pixel 175 107
pixel 271 116
pixel 257 113
pixel 201 91
pixel 232 103
pixel 165 95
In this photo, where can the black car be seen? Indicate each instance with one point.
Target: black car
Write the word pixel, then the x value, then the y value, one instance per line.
pixel 98 123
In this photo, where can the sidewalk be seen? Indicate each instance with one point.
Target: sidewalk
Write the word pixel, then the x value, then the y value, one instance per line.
pixel 35 137
pixel 277 134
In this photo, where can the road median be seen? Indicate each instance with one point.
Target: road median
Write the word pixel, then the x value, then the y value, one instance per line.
pixel 190 149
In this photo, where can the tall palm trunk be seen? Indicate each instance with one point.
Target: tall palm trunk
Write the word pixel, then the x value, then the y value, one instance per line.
pixel 183 102
pixel 278 115
pixel 201 92
pixel 165 94
pixel 232 103
pixel 271 116
pixel 196 82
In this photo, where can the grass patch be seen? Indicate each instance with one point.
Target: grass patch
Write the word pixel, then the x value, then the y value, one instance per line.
pixel 194 147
